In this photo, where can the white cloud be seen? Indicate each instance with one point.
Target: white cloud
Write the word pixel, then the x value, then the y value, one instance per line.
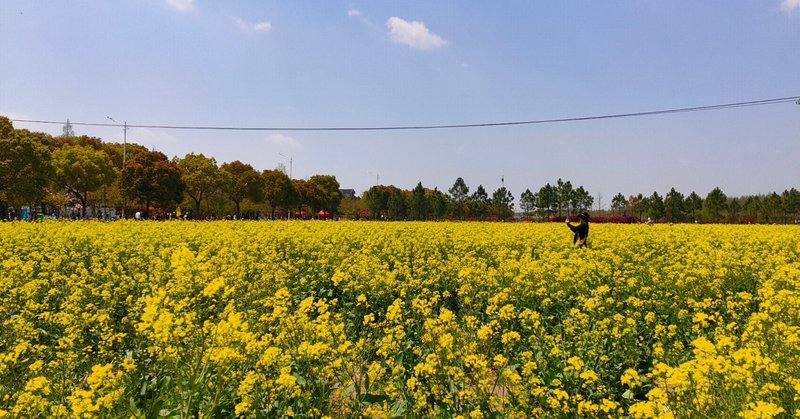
pixel 356 14
pixel 262 26
pixel 246 26
pixel 181 5
pixel 464 65
pixel 414 34
pixel 282 141
pixel 790 5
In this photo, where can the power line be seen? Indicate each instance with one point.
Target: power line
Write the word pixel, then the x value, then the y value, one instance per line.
pixel 453 126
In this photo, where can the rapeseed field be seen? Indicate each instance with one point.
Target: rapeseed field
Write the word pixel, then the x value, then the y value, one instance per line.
pixel 347 319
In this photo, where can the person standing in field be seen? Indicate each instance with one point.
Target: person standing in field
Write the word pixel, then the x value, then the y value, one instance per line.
pixel 581 230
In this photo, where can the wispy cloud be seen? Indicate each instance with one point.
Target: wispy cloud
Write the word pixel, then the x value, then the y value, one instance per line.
pixel 262 26
pixel 246 26
pixel 282 141
pixel 413 34
pixel 181 5
pixel 356 14
pixel 789 6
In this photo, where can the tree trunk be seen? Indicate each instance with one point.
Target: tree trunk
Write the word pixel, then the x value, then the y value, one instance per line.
pixel 197 207
pixel 84 197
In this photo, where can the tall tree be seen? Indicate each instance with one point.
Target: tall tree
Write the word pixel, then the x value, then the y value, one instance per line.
pixel 734 208
pixel 437 203
pixel 307 195
pixel 329 194
pixel 655 206
pixel 618 202
pixel 790 203
pixel 82 169
pixel 150 178
pixel 459 193
pixel 527 202
pixel 377 199
pixel 241 181
pixel 25 168
pixel 396 203
pixel 752 207
pixel 693 205
pixel 277 189
pixel 771 206
pixel 714 204
pixel 565 192
pixel 503 203
pixel 418 205
pixel 581 199
pixel 479 202
pixel 547 200
pixel 201 175
pixel 673 206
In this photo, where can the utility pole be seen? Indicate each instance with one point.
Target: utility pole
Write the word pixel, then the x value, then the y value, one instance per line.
pixel 124 152
pixel 290 163
pixel 288 210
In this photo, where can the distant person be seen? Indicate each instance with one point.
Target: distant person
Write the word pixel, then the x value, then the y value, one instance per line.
pixel 581 230
pixel 138 216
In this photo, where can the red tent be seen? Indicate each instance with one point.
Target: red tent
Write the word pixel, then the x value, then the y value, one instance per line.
pixel 323 214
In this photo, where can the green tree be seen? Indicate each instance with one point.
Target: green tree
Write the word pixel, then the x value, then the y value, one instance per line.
pixel 150 178
pixel 329 194
pixel 565 192
pixel 790 203
pixel 581 200
pixel 479 203
pixel 377 200
pixel 241 181
pixel 655 206
pixel 752 207
pixel 693 205
pixel 502 203
pixel 771 206
pixel 418 205
pixel 460 194
pixel 307 195
pixel 527 202
pixel 714 204
pixel 673 206
pixel 618 203
pixel 82 169
pixel 201 175
pixel 547 200
pixel 25 168
pixel 396 203
pixel 437 203
pixel 734 208
pixel 277 189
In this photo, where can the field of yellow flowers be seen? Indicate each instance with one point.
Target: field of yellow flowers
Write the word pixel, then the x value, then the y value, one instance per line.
pixel 343 319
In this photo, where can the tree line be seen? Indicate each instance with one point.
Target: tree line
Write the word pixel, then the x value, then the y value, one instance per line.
pixel 40 170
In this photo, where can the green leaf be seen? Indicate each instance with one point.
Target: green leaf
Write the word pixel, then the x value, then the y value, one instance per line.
pixel 398 408
pixel 375 398
pixel 348 390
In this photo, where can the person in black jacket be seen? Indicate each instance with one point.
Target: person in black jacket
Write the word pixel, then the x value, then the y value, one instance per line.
pixel 581 230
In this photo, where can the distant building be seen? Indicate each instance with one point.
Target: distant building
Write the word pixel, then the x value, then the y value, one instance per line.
pixel 348 193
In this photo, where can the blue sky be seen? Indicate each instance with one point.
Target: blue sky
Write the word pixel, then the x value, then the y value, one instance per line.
pixel 390 63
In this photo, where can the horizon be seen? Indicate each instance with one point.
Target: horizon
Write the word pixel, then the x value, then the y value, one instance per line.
pixel 245 63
